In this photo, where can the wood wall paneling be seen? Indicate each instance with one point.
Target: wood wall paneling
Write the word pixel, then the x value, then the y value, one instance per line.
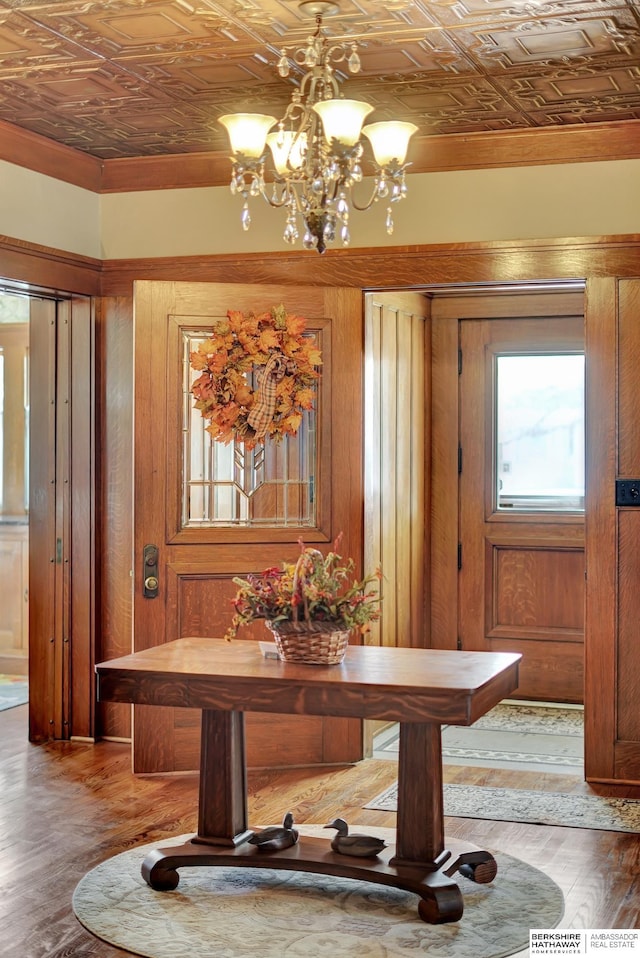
pixel 44 711
pixel 600 529
pixel 114 349
pixel 628 392
pixel 63 554
pixel 395 445
pixel 443 517
pixel 82 533
pixel 628 664
pixel 627 748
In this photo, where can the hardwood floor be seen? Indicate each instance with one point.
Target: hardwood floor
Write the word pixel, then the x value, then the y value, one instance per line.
pixel 64 807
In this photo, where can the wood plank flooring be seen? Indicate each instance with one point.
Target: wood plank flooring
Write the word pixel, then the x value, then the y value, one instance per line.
pixel 64 807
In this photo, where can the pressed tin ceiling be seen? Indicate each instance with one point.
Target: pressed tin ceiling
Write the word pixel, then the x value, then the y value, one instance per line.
pixel 130 78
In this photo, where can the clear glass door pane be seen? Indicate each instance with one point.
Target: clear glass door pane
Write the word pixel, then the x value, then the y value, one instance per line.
pixel 540 432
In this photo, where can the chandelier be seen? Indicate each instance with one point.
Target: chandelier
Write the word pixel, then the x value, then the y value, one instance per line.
pixel 316 149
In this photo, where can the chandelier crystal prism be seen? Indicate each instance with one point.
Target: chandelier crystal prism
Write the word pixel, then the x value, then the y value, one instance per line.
pixel 317 149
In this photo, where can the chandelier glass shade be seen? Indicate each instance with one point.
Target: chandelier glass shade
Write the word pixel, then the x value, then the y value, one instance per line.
pixel 316 150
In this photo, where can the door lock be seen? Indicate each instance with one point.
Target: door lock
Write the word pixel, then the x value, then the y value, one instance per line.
pixel 150 572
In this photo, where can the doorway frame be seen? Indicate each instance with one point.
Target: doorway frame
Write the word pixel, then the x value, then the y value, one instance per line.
pixel 602 262
pixel 62 531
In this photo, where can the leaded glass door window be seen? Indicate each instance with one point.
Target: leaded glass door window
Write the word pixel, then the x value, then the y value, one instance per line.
pixel 230 486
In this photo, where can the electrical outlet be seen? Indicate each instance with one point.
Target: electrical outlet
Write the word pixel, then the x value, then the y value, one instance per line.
pixel 628 492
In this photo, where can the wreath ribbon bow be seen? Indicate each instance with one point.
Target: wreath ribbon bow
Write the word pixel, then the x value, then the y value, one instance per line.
pixel 264 407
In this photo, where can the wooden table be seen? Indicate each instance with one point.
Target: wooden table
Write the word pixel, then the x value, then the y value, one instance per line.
pixel 420 689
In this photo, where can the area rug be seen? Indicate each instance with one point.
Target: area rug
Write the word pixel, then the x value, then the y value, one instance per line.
pixel 267 913
pixel 531 806
pixel 14 690
pixel 509 736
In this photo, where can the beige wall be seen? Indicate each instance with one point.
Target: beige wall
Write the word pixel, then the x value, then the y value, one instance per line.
pixel 538 202
pixel 543 202
pixel 47 211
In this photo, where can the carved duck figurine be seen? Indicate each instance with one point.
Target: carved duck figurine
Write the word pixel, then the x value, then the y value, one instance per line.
pixel 276 837
pixel 362 846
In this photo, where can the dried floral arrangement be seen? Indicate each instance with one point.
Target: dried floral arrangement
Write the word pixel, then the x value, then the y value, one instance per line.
pixel 316 593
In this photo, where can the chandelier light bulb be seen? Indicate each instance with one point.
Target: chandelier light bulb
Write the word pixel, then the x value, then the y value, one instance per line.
pixel 247 132
pixel 342 119
pixel 287 148
pixel 389 140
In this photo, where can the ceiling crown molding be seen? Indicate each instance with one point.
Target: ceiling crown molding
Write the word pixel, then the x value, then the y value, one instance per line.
pixel 430 154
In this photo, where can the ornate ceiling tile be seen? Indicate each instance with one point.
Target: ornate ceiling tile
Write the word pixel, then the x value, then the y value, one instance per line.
pixel 143 77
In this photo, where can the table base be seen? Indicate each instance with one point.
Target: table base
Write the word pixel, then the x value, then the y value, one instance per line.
pixel 440 897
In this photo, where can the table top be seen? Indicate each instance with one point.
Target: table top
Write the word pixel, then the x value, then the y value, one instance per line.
pixel 400 685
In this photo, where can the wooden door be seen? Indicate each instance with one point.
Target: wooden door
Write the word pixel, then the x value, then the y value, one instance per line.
pixel 197 560
pixel 521 560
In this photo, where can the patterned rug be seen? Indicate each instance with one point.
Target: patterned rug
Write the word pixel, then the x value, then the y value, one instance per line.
pixel 517 736
pixel 266 913
pixel 14 690
pixel 528 805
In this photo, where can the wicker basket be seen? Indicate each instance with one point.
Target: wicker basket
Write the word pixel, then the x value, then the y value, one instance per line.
pixel 309 641
pixel 312 643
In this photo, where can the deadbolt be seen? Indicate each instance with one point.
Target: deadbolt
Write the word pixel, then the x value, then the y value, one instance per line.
pixel 150 571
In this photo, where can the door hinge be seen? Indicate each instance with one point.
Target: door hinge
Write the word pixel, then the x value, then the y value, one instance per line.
pixel 459 555
pixel 459 644
pixel 459 459
pixel 459 362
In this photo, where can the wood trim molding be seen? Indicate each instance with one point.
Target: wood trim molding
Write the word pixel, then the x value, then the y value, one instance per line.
pixel 395 267
pixel 429 154
pixel 373 268
pixel 171 172
pixel 619 140
pixel 540 147
pixel 39 153
pixel 49 269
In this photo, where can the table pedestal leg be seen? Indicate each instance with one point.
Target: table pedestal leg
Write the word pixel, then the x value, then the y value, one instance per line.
pixel 420 823
pixel 222 808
